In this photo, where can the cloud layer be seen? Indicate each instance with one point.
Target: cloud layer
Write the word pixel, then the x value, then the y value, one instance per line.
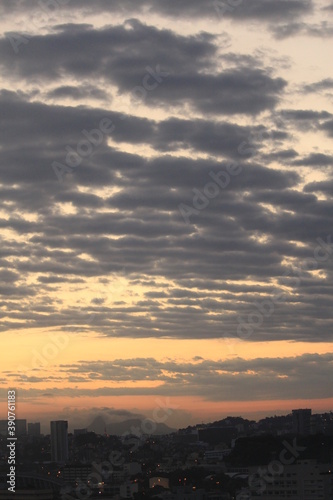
pixel 186 204
pixel 299 377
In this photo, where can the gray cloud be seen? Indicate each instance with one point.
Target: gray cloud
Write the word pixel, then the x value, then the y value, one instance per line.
pixel 325 84
pixel 294 28
pixel 315 160
pixel 118 53
pixel 254 9
pixel 78 93
pixel 322 187
pixel 116 215
pixel 328 127
pixel 229 380
pixel 121 56
pixel 306 119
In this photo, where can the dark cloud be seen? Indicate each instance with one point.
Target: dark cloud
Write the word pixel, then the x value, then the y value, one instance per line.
pixel 254 9
pixel 315 160
pixel 251 9
pixel 304 114
pixel 142 232
pixel 326 84
pixel 245 90
pixel 119 53
pixel 282 31
pixel 78 93
pixel 206 144
pixel 202 135
pixel 328 127
pixel 7 276
pixel 98 301
pixel 58 279
pixel 322 30
pixel 306 119
pixel 294 28
pixel 282 156
pixel 181 70
pixel 325 187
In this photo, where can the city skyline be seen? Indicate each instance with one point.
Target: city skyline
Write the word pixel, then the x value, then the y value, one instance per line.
pixel 288 456
pixel 303 421
pixel 166 174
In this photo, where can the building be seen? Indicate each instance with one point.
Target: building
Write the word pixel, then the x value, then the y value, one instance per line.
pixel 3 427
pixel 163 482
pixel 215 435
pixel 128 489
pixel 305 480
pixel 30 486
pixel 188 493
pixel 28 495
pixel 70 473
pixel 79 432
pixel 20 427
pixel 59 441
pixel 34 429
pixel 302 421
pixel 218 495
pixel 213 456
pixel 132 468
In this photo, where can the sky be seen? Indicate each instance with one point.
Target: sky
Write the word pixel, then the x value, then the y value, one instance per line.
pixel 166 177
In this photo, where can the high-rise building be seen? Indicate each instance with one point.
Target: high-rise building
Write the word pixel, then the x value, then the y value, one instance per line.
pixel 302 421
pixel 3 427
pixel 34 429
pixel 59 441
pixel 21 427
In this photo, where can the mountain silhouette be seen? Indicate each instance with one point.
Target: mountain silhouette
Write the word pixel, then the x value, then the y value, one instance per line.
pixel 135 426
